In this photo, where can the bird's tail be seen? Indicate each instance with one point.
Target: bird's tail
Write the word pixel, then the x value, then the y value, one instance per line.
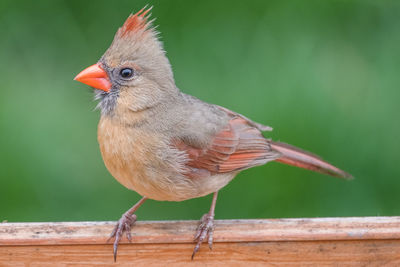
pixel 296 157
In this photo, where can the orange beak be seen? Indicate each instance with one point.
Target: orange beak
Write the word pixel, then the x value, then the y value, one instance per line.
pixel 95 77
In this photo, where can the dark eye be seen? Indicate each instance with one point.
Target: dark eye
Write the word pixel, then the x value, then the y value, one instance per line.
pixel 126 73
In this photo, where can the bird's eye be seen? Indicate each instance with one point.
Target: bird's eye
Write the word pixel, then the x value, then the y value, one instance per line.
pixel 126 73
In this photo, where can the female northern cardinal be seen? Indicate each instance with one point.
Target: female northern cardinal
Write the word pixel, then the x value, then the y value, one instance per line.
pixel 167 145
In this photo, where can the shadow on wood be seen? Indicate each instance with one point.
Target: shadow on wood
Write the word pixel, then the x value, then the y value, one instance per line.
pixel 322 241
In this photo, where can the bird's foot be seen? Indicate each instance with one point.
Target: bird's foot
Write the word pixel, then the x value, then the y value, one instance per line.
pixel 206 228
pixel 124 225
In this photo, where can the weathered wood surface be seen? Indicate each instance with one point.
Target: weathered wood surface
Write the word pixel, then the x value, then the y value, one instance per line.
pixel 366 241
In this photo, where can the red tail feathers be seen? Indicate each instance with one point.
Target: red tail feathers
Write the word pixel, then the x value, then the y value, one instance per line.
pixel 296 157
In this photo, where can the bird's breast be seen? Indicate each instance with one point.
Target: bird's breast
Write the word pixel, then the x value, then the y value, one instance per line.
pixel 143 161
pixel 123 152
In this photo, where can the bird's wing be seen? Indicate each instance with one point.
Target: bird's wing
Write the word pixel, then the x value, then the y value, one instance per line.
pixel 257 125
pixel 238 146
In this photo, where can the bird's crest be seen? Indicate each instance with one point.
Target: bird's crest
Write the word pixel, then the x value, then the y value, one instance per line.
pixel 136 22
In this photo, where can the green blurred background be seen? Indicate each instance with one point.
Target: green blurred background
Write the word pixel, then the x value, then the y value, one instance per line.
pixel 324 74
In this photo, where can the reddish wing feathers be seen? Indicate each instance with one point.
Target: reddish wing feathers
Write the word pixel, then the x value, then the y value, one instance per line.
pixel 238 146
pixel 252 149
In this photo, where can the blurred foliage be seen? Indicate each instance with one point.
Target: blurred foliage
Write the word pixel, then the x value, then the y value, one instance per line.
pixel 324 74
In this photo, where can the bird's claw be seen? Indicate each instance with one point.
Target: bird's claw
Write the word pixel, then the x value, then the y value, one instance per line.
pixel 123 226
pixel 206 228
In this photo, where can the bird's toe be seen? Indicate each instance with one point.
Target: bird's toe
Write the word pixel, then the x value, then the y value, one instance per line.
pixel 204 230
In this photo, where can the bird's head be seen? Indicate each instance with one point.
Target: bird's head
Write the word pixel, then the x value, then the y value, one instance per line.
pixel 133 74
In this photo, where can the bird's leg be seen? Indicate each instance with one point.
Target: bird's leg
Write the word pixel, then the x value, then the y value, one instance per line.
pixel 124 225
pixel 206 227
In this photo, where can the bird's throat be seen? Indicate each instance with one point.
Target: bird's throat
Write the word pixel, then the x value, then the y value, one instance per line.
pixel 107 101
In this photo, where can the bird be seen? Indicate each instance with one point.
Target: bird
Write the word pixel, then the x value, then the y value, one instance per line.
pixel 167 145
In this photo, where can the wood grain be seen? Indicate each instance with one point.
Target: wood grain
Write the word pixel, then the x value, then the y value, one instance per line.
pixel 368 241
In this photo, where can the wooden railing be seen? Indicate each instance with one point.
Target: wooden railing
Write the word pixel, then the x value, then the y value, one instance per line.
pixel 366 241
